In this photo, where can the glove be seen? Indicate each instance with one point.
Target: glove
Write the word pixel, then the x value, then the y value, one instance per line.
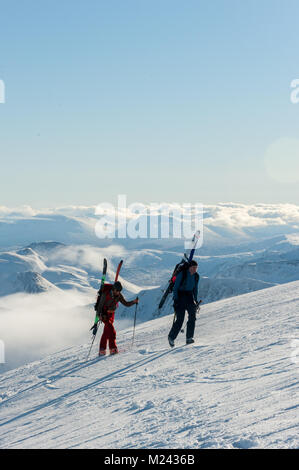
pixel 175 303
pixel 94 329
pixel 136 300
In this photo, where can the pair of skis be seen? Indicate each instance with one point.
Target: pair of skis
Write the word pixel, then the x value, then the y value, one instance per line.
pixel 185 260
pixel 97 319
pixel 104 272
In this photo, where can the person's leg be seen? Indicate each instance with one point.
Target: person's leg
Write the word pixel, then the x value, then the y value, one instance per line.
pixel 112 339
pixel 104 339
pixel 178 322
pixel 191 309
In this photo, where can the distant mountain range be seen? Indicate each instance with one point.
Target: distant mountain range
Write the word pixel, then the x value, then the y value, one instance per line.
pixel 48 266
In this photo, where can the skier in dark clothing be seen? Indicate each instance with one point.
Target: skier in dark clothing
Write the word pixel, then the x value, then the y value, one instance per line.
pixel 185 298
pixel 106 306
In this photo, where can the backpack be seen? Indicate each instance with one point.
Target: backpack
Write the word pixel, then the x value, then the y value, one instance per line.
pixel 104 299
pixel 183 266
pixel 184 277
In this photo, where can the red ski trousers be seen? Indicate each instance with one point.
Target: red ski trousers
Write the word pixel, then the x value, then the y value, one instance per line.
pixel 109 333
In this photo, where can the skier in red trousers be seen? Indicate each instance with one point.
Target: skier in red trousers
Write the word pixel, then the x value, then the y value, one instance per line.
pixel 108 303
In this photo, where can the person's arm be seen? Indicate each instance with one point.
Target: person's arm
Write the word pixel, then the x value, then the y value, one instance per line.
pixel 177 285
pixel 125 302
pixel 195 290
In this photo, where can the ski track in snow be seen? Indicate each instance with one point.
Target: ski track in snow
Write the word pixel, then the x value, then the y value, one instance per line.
pixel 235 387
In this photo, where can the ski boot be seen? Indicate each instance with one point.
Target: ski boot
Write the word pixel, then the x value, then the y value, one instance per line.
pixel 189 340
pixel 113 351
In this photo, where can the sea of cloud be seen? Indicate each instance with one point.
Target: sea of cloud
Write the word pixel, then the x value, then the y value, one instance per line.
pixel 222 214
pixel 33 326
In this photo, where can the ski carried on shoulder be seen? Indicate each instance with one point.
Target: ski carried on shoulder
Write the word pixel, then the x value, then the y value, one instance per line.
pixel 96 307
pixel 118 269
pixel 194 242
pixel 179 267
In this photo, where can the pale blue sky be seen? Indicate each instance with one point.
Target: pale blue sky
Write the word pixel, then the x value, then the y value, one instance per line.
pixel 167 100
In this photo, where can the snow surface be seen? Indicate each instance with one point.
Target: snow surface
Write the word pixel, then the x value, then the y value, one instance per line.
pixel 236 387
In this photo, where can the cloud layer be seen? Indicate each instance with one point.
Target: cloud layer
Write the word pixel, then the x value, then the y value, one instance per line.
pixel 77 224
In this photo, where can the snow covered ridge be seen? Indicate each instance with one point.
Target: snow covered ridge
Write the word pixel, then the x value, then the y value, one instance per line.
pixel 236 387
pixel 50 265
pixel 43 266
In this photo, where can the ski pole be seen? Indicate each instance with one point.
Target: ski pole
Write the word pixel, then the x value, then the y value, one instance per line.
pixel 134 323
pixel 94 337
pixel 91 347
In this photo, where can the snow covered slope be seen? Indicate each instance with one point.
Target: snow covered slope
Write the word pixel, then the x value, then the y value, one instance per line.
pixel 60 266
pixel 78 267
pixel 21 272
pixel 236 387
